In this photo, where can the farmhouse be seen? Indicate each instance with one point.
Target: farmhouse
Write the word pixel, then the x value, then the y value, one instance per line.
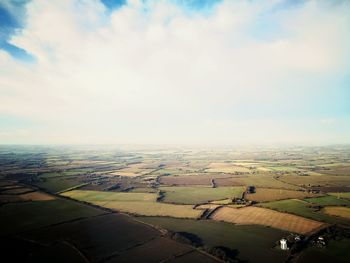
pixel 283 243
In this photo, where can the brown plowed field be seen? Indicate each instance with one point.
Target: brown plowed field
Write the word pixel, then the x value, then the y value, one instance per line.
pixel 266 217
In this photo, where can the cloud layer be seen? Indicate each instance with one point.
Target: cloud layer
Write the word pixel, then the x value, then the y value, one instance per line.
pixel 158 72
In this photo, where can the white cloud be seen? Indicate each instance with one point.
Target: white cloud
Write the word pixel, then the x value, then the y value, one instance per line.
pixel 166 75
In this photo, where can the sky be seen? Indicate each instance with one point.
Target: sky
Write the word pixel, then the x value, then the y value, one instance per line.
pixel 221 72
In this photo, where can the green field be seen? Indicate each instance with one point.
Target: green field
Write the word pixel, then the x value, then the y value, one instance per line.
pixel 65 173
pixel 265 181
pixel 301 208
pixel 327 200
pixel 199 195
pixel 232 236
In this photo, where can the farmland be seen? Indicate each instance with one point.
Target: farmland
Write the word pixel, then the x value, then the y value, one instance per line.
pixel 266 217
pixel 268 194
pixel 198 195
pixel 96 202
pixel 238 237
pixel 134 203
pixel 301 208
pixel 343 212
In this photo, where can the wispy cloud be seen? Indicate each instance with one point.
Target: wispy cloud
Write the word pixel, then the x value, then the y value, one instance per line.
pixel 150 71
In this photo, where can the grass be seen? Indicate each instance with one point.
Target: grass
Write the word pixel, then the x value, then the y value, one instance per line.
pixel 198 195
pixel 301 208
pixel 327 200
pixel 232 236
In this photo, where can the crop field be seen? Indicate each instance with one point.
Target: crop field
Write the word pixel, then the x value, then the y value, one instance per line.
pixel 337 211
pixel 316 180
pixel 134 203
pixel 16 191
pixel 186 180
pixel 92 196
pixel 226 168
pixel 151 208
pixel 32 196
pixel 328 200
pixel 198 195
pixel 266 181
pixel 334 169
pixel 267 194
pixel 240 237
pixel 266 217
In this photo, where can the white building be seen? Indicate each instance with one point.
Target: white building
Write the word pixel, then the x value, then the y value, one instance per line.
pixel 283 243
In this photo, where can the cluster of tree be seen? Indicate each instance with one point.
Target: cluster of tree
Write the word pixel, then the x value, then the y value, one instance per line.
pixel 186 238
pixel 226 254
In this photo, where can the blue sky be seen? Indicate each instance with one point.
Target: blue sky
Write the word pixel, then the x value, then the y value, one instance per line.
pixel 175 72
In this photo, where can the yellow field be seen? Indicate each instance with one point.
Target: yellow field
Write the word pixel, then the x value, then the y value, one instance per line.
pixel 32 196
pixel 337 211
pixel 135 203
pixel 266 194
pixel 89 195
pixel 152 209
pixel 266 217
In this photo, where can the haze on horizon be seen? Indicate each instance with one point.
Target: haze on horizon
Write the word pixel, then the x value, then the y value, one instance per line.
pixel 168 72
